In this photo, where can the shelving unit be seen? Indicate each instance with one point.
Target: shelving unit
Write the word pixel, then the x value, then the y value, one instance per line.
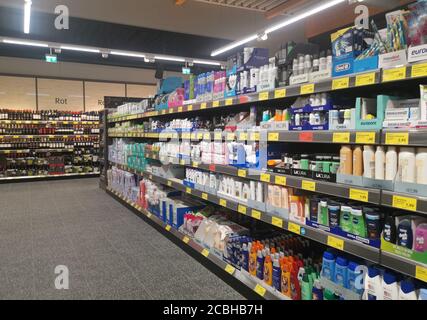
pixel 373 137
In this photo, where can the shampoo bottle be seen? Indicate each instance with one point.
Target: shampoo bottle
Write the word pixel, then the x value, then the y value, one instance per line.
pixel 268 270
pixel 407 165
pixel 380 163
pixel 373 284
pixel 390 286
pixel 368 162
pixel 358 161
pixel 407 291
pixel 341 272
pixel 346 160
pixel 405 234
pixel 391 163
pixel 421 163
pixel 420 241
pixel 277 273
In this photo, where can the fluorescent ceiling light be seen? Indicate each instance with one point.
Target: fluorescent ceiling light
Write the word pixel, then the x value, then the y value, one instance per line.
pixel 278 26
pixel 211 63
pixel 234 45
pixel 83 49
pixel 177 59
pixel 27 16
pixel 26 43
pixel 127 54
pixel 304 15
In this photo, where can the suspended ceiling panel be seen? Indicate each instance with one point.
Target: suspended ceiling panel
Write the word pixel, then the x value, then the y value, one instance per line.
pixel 275 7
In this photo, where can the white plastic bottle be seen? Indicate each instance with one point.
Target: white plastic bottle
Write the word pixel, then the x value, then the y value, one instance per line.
pixel 390 287
pixel 421 164
pixel 407 165
pixel 391 163
pixel 368 162
pixel 407 291
pixel 379 163
pixel 373 284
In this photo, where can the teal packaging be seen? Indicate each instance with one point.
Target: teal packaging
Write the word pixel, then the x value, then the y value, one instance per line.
pixel 306 289
pixel 328 266
pixel 340 277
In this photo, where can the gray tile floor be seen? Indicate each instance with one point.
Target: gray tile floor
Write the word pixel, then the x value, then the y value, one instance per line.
pixel 110 253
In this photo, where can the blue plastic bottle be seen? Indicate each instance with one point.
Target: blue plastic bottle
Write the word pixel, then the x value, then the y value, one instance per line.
pixel 328 266
pixel 341 274
pixel 260 264
pixel 245 257
pixel 353 278
pixel 277 273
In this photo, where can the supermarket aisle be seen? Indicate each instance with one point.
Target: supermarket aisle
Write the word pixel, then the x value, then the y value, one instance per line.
pixel 110 253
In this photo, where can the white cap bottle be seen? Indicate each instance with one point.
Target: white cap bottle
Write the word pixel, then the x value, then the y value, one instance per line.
pixel 407 165
pixel 421 164
pixel 368 162
pixel 391 164
pixel 380 163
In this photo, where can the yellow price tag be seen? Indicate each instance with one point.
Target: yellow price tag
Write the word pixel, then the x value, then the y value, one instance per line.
pixel 336 243
pixel 207 136
pixel 273 136
pixel 186 136
pixel 254 136
pixel 366 137
pixel 205 253
pixel 260 290
pixel 394 74
pixel 308 185
pixel 182 162
pixel 341 137
pixel 256 214
pixel 230 269
pixel 229 102
pixel 199 135
pixel 195 164
pixel 223 203
pixel 190 107
pixel 295 228
pixel 186 240
pixel 243 136
pixel 307 89
pixel 359 195
pixel 419 70
pixel 164 111
pixel 188 190
pixel 218 136
pixel 215 104
pixel 265 177
pixel 280 180
pixel 277 222
pixel 405 203
pixel 170 183
pixel 263 96
pixel 242 173
pixel 205 196
pixel 279 93
pixel 180 109
pixel 341 83
pixel 242 209
pixel 397 138
pixel 171 110
pixel 168 228
pixel 231 136
pixel 365 79
pixel 421 273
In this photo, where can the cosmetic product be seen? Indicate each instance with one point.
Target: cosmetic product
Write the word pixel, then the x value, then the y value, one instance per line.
pixel 390 229
pixel 407 165
pixel 421 164
pixel 407 290
pixel 323 213
pixel 423 102
pixel 368 162
pixel 359 226
pixel 358 161
pixel 373 222
pixel 346 163
pixel 346 223
pixel 328 266
pixel 373 284
pixel 391 163
pixel 334 214
pixel 380 163
pixel 405 234
pixel 259 192
pixel 420 241
pixel 341 275
pixel 390 286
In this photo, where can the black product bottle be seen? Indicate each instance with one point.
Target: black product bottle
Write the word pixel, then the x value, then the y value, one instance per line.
pixel 390 230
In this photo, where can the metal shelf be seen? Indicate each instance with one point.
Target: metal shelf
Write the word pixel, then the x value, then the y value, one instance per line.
pixel 352 246
pixel 334 189
pixel 353 81
pixel 48 122
pixel 404 201
pixel 409 267
pixel 49 177
pixel 251 283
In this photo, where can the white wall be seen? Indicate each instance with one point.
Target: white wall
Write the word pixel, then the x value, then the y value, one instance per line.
pixel 77 71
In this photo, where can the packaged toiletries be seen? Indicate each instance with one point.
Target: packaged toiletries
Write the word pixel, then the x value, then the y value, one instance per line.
pixel 306 289
pixel 328 266
pixel 354 278
pixel 277 273
pixel 260 264
pixel 421 165
pixel 286 279
pixel 391 163
pixel 323 213
pixel 358 161
pixel 390 287
pixel 334 214
pixel 341 276
pixel 380 163
pixel 317 291
pixel 268 270
pixel 407 291
pixel 405 234
pixel 346 160
pixel 373 222
pixel 420 238
pixel 346 222
pixel 407 165
pixel 358 220
pixel 373 284
pixel 368 162
pixel 422 294
pixel 390 229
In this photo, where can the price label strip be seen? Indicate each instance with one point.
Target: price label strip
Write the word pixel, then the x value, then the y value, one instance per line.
pixel 273 136
pixel 279 93
pixel 278 222
pixel 405 203
pixel 341 83
pixel 394 74
pixel 421 273
pixel 365 79
pixel 336 243
pixel 256 214
pixel 308 185
pixel 230 269
pixel 295 228
pixel 242 209
pixel 366 137
pixel 265 177
pixel 419 70
pixel 341 137
pixel 397 138
pixel 260 290
pixel 307 89
pixel 263 96
pixel 359 195
pixel 242 173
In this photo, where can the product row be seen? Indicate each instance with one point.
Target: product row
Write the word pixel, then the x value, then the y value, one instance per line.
pixel 49 143
pixel 48 129
pixel 290 265
pixel 48 115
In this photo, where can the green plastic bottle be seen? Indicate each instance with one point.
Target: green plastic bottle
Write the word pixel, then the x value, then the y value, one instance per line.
pixel 306 288
pixel 358 220
pixel 346 222
pixel 323 213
